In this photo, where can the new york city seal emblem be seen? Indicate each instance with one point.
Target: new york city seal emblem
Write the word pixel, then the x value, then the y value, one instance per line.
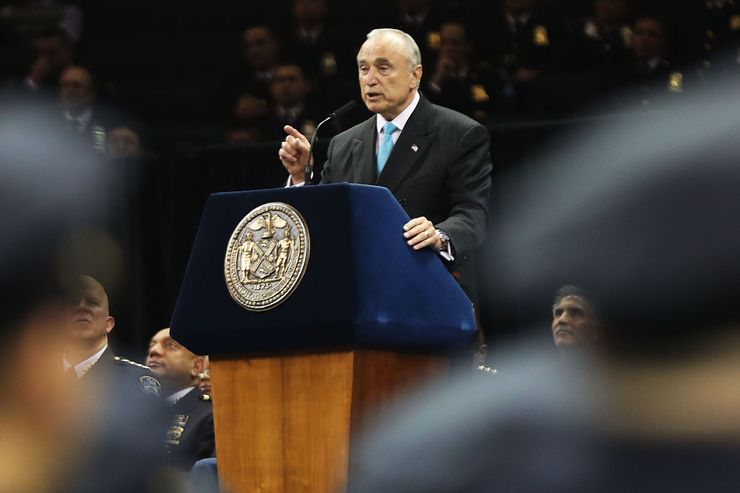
pixel 267 256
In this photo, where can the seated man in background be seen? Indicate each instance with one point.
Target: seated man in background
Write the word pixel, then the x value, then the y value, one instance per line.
pixel 575 323
pixel 87 356
pixel 190 436
pixel 289 89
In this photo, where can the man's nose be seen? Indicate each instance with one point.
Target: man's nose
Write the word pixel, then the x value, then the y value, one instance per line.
pixel 154 350
pixel 371 77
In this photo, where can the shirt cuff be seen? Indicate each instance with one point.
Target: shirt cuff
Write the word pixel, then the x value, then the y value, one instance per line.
pixel 447 252
pixel 290 183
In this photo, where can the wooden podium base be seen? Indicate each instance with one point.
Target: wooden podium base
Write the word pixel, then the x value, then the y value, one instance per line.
pixel 283 424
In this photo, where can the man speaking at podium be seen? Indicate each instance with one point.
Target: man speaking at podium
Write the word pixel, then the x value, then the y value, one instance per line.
pixel 435 161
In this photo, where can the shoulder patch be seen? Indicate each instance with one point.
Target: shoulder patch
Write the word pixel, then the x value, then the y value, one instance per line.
pixel 150 386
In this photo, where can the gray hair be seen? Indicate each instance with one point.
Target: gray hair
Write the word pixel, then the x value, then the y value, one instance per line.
pixel 412 53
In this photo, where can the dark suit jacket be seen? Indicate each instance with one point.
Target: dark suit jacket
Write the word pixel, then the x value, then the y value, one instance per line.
pixel 440 168
pixel 197 439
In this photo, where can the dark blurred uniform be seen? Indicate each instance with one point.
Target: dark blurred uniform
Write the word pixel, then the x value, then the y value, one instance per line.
pixel 421 20
pixel 458 80
pixel 324 51
pixel 524 45
pixel 604 39
pixel 290 104
pixel 190 434
pixel 252 75
pixel 133 377
pixel 714 30
pixel 648 73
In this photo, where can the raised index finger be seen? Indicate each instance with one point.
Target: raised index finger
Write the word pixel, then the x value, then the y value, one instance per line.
pixel 294 133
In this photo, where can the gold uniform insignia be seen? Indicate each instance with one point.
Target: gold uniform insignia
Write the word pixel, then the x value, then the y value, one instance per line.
pixel 675 82
pixel 329 64
pixel 267 256
pixel 735 22
pixel 478 93
pixel 434 39
pixel 540 37
pixel 175 431
pixel 626 35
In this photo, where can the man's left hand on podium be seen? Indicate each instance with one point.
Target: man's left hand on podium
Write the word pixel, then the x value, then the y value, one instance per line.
pixel 421 233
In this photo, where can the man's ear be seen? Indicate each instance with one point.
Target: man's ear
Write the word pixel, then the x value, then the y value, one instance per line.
pixel 417 72
pixel 198 365
pixel 109 324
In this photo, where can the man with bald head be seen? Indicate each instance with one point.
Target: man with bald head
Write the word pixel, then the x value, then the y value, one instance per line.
pixel 190 436
pixel 87 356
pixel 435 161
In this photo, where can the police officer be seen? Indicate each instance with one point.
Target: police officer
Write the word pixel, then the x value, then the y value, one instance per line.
pixel 88 357
pixel 190 435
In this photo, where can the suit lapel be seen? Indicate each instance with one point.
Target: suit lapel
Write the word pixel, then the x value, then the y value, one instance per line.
pixel 412 144
pixel 363 154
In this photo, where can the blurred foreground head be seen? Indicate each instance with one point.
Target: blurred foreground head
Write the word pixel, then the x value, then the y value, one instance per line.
pixel 55 438
pixel 52 193
pixel 642 214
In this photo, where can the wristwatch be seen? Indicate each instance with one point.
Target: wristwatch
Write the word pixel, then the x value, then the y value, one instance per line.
pixel 445 240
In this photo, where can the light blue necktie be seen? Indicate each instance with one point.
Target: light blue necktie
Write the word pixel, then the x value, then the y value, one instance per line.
pixel 386 146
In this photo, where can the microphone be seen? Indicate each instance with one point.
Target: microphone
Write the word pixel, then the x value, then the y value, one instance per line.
pixel 338 113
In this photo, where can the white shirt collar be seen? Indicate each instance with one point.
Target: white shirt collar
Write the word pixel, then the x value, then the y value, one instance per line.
pixel 82 367
pixel 179 395
pixel 402 118
pixel 522 19
pixel 654 62
pixel 83 117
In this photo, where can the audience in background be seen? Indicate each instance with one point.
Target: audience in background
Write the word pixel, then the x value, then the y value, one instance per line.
pixel 53 53
pixel 648 72
pixel 323 50
pixel 290 106
pixel 603 39
pixel 458 80
pixel 509 60
pixel 81 111
pixel 253 74
pixel 124 142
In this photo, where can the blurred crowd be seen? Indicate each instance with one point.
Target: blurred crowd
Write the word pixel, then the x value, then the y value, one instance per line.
pixel 136 75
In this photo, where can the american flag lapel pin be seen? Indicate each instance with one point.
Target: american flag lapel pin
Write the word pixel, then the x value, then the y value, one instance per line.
pixel 414 147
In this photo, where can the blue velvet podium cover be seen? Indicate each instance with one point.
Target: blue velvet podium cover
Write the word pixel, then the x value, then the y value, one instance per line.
pixel 364 288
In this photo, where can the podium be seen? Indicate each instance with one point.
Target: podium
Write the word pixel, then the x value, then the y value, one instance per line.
pixel 316 314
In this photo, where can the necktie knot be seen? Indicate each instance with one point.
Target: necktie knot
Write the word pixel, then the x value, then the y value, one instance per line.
pixel 389 128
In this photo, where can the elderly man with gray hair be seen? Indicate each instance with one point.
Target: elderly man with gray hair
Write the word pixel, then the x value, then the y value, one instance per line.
pixel 435 161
